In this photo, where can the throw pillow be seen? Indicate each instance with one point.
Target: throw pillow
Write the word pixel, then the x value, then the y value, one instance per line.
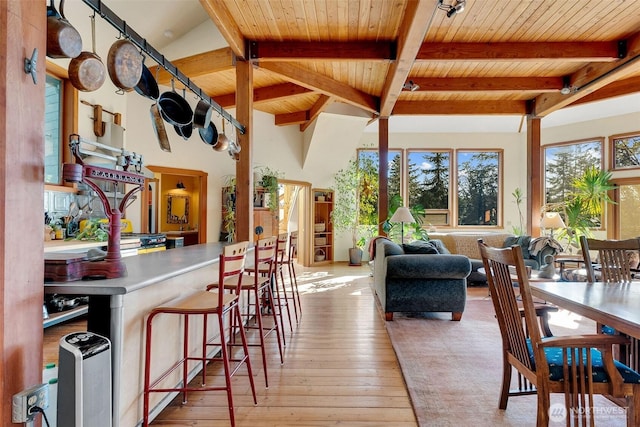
pixel 440 247
pixel 522 241
pixel 419 247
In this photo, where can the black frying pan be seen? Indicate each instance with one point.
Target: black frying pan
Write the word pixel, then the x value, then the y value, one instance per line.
pixel 209 135
pixel 174 108
pixel 147 86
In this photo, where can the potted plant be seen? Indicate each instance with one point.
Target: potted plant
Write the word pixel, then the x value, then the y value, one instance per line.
pixel 269 181
pixel 582 209
pixel 346 208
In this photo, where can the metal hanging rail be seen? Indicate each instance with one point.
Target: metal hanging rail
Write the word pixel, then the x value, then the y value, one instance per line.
pixel 121 25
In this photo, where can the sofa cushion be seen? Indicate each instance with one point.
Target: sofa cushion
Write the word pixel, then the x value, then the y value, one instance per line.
pixel 522 241
pixel 392 248
pixel 420 247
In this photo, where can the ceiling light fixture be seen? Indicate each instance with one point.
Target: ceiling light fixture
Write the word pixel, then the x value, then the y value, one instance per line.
pixel 452 9
pixel 566 85
pixel 410 85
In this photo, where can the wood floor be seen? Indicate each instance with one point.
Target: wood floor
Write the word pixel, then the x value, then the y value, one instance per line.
pixel 339 367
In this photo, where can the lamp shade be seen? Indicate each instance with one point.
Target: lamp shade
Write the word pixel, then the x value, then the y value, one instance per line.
pixel 402 214
pixel 552 220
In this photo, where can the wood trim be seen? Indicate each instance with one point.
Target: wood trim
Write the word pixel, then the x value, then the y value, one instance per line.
pixel 383 172
pixel 535 184
pixel 244 169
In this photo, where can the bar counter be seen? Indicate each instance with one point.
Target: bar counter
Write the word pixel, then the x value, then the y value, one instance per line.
pixel 118 309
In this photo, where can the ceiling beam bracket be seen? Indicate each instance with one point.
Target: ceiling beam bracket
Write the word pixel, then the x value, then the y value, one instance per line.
pixel 622 49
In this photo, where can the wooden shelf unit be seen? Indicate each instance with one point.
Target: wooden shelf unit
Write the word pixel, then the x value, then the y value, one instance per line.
pixel 262 215
pixel 322 236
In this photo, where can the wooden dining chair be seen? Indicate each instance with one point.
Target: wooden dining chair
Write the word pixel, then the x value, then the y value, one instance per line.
pixel 613 259
pixel 577 366
pixel 614 265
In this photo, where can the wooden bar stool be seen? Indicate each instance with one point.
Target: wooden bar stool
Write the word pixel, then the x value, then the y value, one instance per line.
pixel 257 284
pixel 284 259
pixel 279 285
pixel 203 304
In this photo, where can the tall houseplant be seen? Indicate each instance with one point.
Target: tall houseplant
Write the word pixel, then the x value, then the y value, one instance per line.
pixel 345 216
pixel 582 210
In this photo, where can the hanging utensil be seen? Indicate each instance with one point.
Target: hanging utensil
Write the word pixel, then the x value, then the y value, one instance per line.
pixel 223 141
pixel 63 40
pixel 158 127
pixel 124 64
pixel 86 71
pixel 186 130
pixel 174 108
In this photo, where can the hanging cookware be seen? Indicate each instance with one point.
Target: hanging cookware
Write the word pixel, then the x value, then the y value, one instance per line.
pixel 209 135
pixel 223 141
pixel 174 108
pixel 158 127
pixel 147 86
pixel 234 150
pixel 202 114
pixel 86 71
pixel 63 41
pixel 124 64
pixel 186 130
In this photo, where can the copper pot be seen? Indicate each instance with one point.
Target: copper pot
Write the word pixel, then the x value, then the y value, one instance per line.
pixel 86 71
pixel 63 41
pixel 124 64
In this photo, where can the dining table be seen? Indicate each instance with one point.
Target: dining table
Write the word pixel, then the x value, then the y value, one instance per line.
pixel 613 304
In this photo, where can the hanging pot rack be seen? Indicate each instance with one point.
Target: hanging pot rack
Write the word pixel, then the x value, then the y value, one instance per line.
pixel 128 32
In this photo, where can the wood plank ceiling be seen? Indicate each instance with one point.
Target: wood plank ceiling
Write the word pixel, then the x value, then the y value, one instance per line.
pixel 495 57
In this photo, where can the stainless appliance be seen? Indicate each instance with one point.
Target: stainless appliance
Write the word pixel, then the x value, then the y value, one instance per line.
pixel 84 381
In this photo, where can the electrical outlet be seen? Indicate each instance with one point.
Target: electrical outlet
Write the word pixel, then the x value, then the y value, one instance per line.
pixel 26 400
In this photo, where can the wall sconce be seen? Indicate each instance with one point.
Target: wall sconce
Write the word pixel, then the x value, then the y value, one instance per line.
pixel 180 185
pixel 410 85
pixel 452 9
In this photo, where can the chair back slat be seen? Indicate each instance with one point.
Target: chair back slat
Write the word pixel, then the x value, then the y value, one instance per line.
pixel 293 245
pixel 499 264
pixel 264 256
pixel 231 268
pixel 613 258
pixel 281 248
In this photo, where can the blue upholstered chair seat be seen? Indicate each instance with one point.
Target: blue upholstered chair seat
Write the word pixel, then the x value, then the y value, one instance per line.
pixel 554 359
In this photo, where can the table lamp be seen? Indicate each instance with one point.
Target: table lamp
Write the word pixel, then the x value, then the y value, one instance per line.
pixel 552 220
pixel 402 215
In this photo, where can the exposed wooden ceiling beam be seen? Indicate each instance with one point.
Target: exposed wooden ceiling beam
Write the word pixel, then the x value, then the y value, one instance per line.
pixel 318 51
pixel 320 105
pixel 484 84
pixel 264 94
pixel 324 84
pixel 227 26
pixel 590 78
pixel 199 65
pixel 297 118
pixel 459 107
pixel 612 90
pixel 520 51
pixel 415 23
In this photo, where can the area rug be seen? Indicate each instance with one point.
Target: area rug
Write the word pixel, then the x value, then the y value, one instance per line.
pixel 453 370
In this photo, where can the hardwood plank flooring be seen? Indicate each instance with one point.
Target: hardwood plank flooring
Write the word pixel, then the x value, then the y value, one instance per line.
pixel 339 366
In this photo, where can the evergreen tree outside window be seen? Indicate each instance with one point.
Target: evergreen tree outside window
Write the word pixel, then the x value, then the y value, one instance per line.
pixel 368 162
pixel 429 183
pixel 626 151
pixel 478 178
pixel 566 161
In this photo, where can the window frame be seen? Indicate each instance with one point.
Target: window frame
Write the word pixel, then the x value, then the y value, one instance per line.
pixel 449 212
pixel 613 166
pixel 500 193
pixel 68 119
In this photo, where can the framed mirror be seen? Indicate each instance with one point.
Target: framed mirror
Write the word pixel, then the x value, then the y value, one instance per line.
pixel 178 209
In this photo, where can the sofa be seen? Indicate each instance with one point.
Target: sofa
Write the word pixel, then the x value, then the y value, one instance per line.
pixel 466 243
pixel 419 282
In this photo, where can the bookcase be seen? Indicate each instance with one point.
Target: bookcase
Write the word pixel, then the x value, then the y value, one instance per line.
pixel 322 227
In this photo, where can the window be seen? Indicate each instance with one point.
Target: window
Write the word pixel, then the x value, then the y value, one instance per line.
pixel 566 161
pixel 53 131
pixel 625 151
pixel 368 161
pixel 478 189
pixel 429 183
